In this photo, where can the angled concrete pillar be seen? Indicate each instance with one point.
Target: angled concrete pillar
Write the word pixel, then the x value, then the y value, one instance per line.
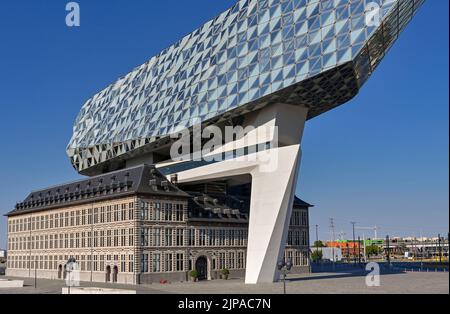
pixel 273 196
pixel 270 213
pixel 274 175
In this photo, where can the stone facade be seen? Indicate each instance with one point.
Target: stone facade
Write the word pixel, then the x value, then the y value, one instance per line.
pixel 136 239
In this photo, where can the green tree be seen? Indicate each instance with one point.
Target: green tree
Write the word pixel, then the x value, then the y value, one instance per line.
pixel 319 244
pixel 316 256
pixel 372 250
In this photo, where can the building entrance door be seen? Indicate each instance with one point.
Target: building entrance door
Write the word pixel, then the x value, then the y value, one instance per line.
pixel 60 270
pixel 202 268
pixel 115 273
pixel 108 273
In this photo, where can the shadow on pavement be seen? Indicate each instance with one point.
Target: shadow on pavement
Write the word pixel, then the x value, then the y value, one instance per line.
pixel 346 271
pixel 343 275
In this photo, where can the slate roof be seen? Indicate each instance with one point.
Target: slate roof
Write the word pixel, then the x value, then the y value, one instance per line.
pixel 141 180
pixel 300 203
pixel 144 179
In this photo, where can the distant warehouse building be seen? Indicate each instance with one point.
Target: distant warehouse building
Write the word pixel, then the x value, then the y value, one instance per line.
pixel 134 226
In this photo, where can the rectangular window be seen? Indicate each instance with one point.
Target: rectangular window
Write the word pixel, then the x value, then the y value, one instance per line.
pixel 95 238
pixel 191 241
pixel 144 211
pixel 168 237
pixel 168 212
pixel 108 214
pixel 123 237
pixel 168 262
pixel 157 237
pixel 130 264
pixel 156 262
pixel 179 213
pixel 123 213
pixel 180 237
pixel 77 240
pixel 130 237
pixel 144 263
pixel 116 238
pixel 89 238
pixel 211 236
pixel 130 211
pixel 95 215
pixel 95 263
pixel 232 260
pixel 222 260
pixel 123 263
pixel 90 216
pixel 180 262
pixel 102 238
pixel 157 211
pixel 145 237
pixel 108 238
pixel 83 239
pixel 116 213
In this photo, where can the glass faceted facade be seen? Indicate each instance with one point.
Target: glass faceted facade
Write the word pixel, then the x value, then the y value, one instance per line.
pixel 315 53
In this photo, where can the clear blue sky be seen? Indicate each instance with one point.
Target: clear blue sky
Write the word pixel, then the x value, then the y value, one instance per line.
pixel 382 159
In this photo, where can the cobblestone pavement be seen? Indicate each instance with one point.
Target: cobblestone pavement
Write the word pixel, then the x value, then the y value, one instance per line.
pixel 337 283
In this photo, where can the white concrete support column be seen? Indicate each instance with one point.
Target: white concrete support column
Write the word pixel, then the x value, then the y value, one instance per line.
pixel 270 213
pixel 273 196
pixel 274 175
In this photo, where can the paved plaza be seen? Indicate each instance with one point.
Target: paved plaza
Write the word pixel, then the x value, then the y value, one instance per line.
pixel 336 283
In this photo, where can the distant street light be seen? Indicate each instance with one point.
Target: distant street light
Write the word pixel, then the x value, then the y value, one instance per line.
pixel 388 253
pixel 285 268
pixel 354 240
pixel 35 273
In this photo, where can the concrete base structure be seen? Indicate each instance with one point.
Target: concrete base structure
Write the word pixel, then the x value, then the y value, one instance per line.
pixel 11 283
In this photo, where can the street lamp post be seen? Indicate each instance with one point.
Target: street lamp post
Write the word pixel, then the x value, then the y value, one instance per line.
pixel 317 237
pixel 35 274
pixel 354 240
pixel 359 251
pixel 285 268
pixel 388 253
